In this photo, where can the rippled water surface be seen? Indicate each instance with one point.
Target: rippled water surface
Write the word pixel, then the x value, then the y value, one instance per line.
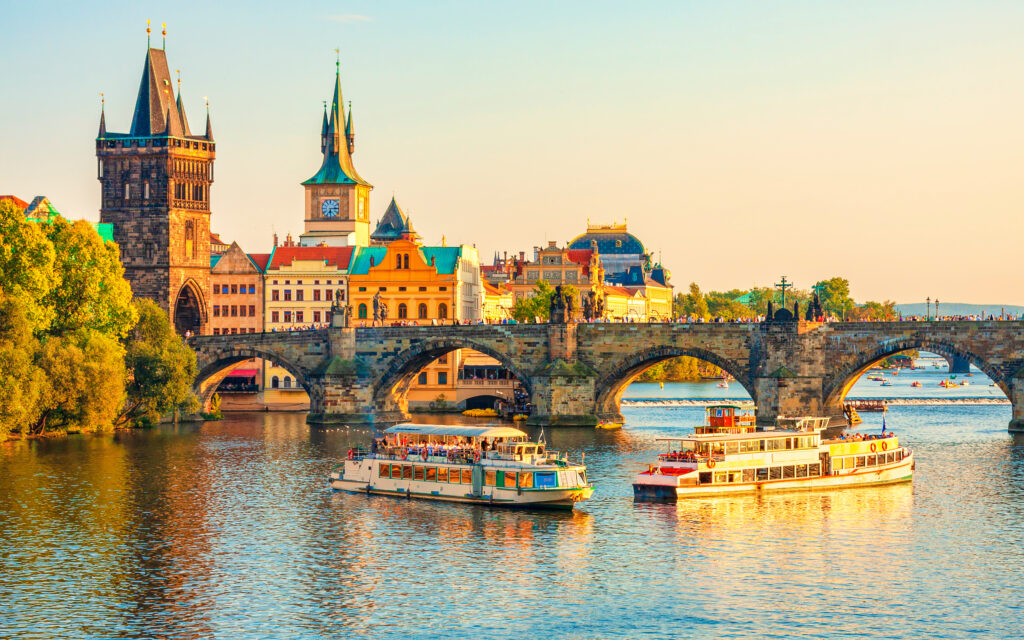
pixel 227 530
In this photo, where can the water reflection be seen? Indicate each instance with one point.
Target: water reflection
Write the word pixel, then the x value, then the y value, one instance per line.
pixel 227 530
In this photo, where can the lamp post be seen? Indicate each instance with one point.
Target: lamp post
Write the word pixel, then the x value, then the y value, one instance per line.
pixel 936 308
pixel 928 308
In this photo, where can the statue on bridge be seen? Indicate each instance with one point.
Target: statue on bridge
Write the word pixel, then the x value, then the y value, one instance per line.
pixel 556 309
pixel 376 308
pixel 341 313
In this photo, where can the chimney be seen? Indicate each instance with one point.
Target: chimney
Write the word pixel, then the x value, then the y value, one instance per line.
pixel 275 238
pixel 522 256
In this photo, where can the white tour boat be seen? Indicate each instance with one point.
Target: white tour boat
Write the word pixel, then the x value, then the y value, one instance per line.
pixel 726 456
pixel 482 465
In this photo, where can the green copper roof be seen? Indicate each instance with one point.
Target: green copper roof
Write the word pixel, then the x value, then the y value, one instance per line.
pixel 360 264
pixel 445 258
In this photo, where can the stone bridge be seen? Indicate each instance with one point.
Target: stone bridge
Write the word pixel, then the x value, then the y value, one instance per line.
pixel 576 373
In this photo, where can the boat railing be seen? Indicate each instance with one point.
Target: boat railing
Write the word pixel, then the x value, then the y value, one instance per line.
pixel 691 457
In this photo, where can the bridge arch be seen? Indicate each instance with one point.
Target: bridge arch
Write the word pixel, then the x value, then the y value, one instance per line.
pixel 216 364
pixel 611 385
pixel 837 385
pixel 393 383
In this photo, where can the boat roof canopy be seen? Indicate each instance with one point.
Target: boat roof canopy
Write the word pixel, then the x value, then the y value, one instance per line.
pixel 732 405
pixel 410 428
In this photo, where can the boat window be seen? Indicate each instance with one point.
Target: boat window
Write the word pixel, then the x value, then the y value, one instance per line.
pixel 467 476
pixel 861 461
pixel 899 456
pixel 732 447
pixel 385 470
pixel 544 479
pixel 526 480
pixel 540 449
pixel 510 479
pixel 762 473
pixel 775 473
pixel 814 469
pixel 489 478
pixel 453 476
pixel 748 475
pixel 872 460
pixel 396 471
pixel 748 446
pixel 705 477
pixel 890 457
pixel 442 474
pixel 801 470
pixel 431 474
pixel 529 450
pixel 734 476
pixel 417 472
pixel 776 443
pixel 788 471
pixel 721 477
pixel 407 472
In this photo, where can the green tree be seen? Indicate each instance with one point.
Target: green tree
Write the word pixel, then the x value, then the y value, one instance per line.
pixel 835 296
pixel 536 306
pixel 695 305
pixel 723 304
pixel 874 311
pixel 160 369
pixel 89 290
pixel 26 266
pixel 21 382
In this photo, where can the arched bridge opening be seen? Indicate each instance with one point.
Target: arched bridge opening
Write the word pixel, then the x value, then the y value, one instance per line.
pixel 611 386
pixel 215 366
pixel 440 375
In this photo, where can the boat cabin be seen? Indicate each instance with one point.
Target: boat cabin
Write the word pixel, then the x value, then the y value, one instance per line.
pixel 728 418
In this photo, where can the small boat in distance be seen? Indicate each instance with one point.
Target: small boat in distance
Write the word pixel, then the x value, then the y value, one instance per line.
pixel 915 383
pixel 482 465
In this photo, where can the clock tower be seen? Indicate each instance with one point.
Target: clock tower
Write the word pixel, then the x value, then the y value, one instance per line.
pixel 337 209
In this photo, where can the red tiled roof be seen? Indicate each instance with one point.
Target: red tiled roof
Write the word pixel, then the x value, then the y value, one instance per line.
pixel 622 291
pixel 18 202
pixel 215 238
pixel 487 268
pixel 581 257
pixel 491 289
pixel 260 260
pixel 337 256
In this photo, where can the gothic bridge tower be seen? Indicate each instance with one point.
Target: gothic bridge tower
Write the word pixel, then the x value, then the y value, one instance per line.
pixel 337 211
pixel 155 189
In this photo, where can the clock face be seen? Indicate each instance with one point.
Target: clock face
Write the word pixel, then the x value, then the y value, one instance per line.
pixel 330 208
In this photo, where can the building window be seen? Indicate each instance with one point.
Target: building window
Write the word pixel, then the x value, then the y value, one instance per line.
pixel 274 316
pixel 362 312
pixel 422 379
pixel 216 311
pixel 406 262
pixel 442 377
pixel 316 295
pixel 234 288
pixel 274 295
pixel 252 310
pixel 234 331
pixel 422 311
pixel 216 331
pixel 145 191
pixel 423 288
pixel 399 260
pixel 316 316
pixel 287 295
pixel 216 289
pixel 234 311
pixel 191 246
pixel 443 359
pixel 275 382
pixel 252 288
pixel 298 295
pixel 127 191
pixel 327 295
pixel 287 382
pixel 287 316
pixel 242 309
pixel 403 311
pixel 362 288
pixel 298 316
pixel 442 311
pixel 149 251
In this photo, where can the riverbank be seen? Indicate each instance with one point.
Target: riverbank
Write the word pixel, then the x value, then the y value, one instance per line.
pixel 704 402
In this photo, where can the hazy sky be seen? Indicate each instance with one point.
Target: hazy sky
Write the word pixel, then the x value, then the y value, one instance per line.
pixel 881 141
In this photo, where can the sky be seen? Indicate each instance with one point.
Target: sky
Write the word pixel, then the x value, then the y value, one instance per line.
pixel 881 141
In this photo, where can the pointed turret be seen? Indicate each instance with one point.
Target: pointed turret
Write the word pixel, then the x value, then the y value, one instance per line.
pixel 337 167
pixel 209 127
pixel 173 125
pixel 350 133
pixel 181 113
pixel 103 122
pixel 393 225
pixel 323 132
pixel 155 108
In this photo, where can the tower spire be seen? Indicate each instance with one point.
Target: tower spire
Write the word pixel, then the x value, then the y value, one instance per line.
pixel 337 167
pixel 181 108
pixel 163 26
pixel 148 31
pixel 209 127
pixel 103 117
pixel 350 133
pixel 323 131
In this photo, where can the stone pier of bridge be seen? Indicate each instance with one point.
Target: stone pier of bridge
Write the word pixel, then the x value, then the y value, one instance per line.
pixel 576 373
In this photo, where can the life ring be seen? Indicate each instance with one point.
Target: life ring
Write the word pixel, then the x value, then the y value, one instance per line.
pixel 424 455
pixel 405 455
pixel 874 447
pixel 711 463
pixel 350 454
pixel 476 456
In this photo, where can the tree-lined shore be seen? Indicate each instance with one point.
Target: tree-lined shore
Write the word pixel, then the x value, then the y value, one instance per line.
pixel 76 352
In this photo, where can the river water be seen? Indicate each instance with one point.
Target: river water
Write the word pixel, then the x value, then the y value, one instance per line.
pixel 227 530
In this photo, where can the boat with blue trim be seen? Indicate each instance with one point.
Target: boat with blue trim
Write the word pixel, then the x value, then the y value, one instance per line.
pixel 495 465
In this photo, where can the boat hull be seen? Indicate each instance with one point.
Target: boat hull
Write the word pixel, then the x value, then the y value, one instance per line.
pixel 510 498
pixel 894 473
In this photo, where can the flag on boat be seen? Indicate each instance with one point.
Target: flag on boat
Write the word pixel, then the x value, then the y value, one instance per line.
pixel 883 423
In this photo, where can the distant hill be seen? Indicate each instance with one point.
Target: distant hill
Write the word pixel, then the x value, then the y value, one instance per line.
pixel 960 309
